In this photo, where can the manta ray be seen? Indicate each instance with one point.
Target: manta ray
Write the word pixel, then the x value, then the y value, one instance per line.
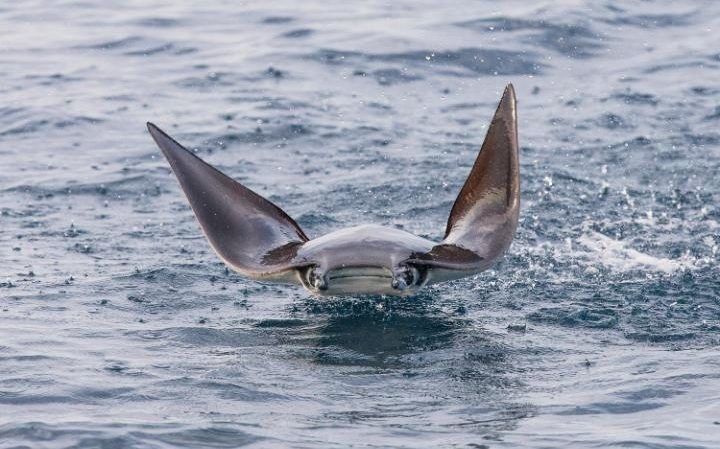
pixel 259 240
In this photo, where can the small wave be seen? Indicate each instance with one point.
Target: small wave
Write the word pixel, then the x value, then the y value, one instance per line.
pixel 11 399
pixel 658 337
pixel 474 60
pixel 18 121
pixel 215 437
pixel 269 133
pixel 650 20
pixel 604 408
pixel 636 98
pixel 235 392
pixel 388 77
pixel 676 66
pixel 591 317
pixel 130 186
pixel 158 22
pixel 161 276
pixel 167 47
pixel 299 33
pixel 204 336
pixel 114 44
pixel 284 104
pixel 94 434
pixel 715 115
pixel 211 80
pixel 610 120
pixel 275 20
pixel 139 46
pixel 575 40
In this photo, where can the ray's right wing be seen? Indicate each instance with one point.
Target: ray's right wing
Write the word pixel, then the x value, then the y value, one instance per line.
pixel 251 234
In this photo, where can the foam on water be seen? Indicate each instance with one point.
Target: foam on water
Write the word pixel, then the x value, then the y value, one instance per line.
pixel 120 328
pixel 616 255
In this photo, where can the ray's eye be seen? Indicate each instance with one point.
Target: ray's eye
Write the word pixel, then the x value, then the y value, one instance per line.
pixel 405 276
pixel 316 279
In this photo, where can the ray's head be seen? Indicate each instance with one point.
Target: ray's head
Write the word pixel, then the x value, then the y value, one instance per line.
pixel 366 259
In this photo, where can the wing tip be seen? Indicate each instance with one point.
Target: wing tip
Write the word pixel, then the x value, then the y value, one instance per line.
pixel 508 100
pixel 170 147
pixel 155 131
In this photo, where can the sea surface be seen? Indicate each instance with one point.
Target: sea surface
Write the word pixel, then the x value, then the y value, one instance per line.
pixel 119 328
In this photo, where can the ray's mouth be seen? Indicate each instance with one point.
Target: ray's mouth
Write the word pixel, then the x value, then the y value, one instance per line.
pixel 359 272
pixel 362 279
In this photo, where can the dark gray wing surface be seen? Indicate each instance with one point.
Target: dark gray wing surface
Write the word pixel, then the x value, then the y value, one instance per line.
pixel 254 236
pixel 484 218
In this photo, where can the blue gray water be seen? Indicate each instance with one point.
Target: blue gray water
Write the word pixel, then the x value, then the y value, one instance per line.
pixel 119 328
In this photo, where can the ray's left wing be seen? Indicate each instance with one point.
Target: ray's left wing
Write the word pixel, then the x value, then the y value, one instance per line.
pixel 484 217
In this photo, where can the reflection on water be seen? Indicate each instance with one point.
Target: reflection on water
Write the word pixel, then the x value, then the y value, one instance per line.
pixel 463 377
pixel 382 333
pixel 381 340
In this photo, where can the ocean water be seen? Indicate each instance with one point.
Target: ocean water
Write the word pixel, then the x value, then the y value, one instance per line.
pixel 119 328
